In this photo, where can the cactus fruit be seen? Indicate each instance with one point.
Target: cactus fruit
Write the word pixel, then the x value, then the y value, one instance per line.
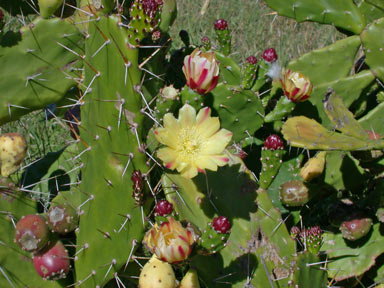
pixel 223 36
pixel 314 167
pixel 269 55
pixel 32 232
pixel 157 274
pixel 52 263
pixel 13 149
pixel 221 225
pixel 271 159
pixel 206 42
pixel 48 7
pixel 294 193
pixel 163 208
pixel 249 72
pixel 355 227
pixel 62 218
pixel 190 280
pixel 311 239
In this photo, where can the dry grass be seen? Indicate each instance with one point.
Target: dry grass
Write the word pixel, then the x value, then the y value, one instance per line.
pixel 254 27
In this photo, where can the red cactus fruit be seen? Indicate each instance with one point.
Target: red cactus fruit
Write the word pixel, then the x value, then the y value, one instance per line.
pixel 221 24
pixel 205 40
pixel 295 232
pixel 273 142
pixel 269 55
pixel 221 224
pixel 164 208
pixel 252 60
pixel 32 232
pixel 62 218
pixel 355 227
pixel 151 6
pixel 53 262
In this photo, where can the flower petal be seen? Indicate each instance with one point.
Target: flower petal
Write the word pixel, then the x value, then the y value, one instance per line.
pixel 206 162
pixel 168 156
pixel 220 160
pixel 189 171
pixel 207 126
pixel 187 116
pixel 217 142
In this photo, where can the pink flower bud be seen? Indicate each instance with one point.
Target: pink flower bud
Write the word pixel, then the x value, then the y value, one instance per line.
pixel 170 241
pixel 296 86
pixel 201 71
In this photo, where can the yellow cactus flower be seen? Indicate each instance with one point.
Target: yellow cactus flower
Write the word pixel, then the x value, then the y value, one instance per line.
pixel 170 241
pixel 296 86
pixel 201 71
pixel 194 143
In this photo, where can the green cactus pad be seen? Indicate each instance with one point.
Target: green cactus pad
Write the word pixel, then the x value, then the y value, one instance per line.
pixel 374 120
pixel 371 10
pixel 168 15
pixel 307 133
pixel 47 76
pixel 109 120
pixel 307 273
pixel 341 13
pixel 271 161
pixel 342 118
pixel 347 261
pixel 211 241
pixel 229 70
pixel 373 43
pixel 240 111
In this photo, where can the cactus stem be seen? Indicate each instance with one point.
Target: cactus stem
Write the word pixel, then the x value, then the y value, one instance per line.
pixel 134 243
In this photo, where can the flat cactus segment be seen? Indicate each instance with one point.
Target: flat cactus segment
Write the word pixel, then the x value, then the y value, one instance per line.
pixel 373 43
pixel 168 15
pixel 306 133
pixel 16 264
pixel 46 78
pixel 229 70
pixel 240 111
pixel 342 118
pixel 112 128
pixel 341 13
pixel 309 274
pixel 374 120
pixel 347 261
pixel 371 9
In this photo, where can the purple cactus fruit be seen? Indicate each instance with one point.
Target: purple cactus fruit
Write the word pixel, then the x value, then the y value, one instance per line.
pixel 221 24
pixel 252 60
pixel 355 227
pixel 164 208
pixel 221 224
pixel 269 55
pixel 294 193
pixel 205 40
pixel 62 218
pixel 295 232
pixel 156 35
pixel 32 232
pixel 52 263
pixel 151 6
pixel 273 142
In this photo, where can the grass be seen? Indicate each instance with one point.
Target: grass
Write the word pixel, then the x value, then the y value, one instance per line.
pixel 254 27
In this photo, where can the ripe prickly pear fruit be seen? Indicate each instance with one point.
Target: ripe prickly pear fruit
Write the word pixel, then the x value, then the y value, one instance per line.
pixel 190 280
pixel 215 236
pixel 273 142
pixel 269 55
pixel 48 7
pixel 355 227
pixel 223 36
pixel 52 263
pixel 294 193
pixel 157 274
pixel 13 148
pixel 314 167
pixel 62 218
pixel 32 232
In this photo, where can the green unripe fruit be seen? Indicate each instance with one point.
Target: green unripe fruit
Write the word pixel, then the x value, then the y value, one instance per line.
pixel 48 7
pixel 62 218
pixel 190 280
pixel 294 193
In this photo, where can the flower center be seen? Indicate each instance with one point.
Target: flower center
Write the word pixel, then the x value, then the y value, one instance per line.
pixel 189 143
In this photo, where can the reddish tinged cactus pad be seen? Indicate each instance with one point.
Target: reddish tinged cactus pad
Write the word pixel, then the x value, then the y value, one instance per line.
pixel 32 232
pixel 221 224
pixel 269 55
pixel 164 208
pixel 52 263
pixel 62 218
pixel 356 227
pixel 273 142
pixel 251 60
pixel 221 24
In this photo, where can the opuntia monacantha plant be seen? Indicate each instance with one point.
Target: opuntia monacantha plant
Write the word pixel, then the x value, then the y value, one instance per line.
pixel 185 168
